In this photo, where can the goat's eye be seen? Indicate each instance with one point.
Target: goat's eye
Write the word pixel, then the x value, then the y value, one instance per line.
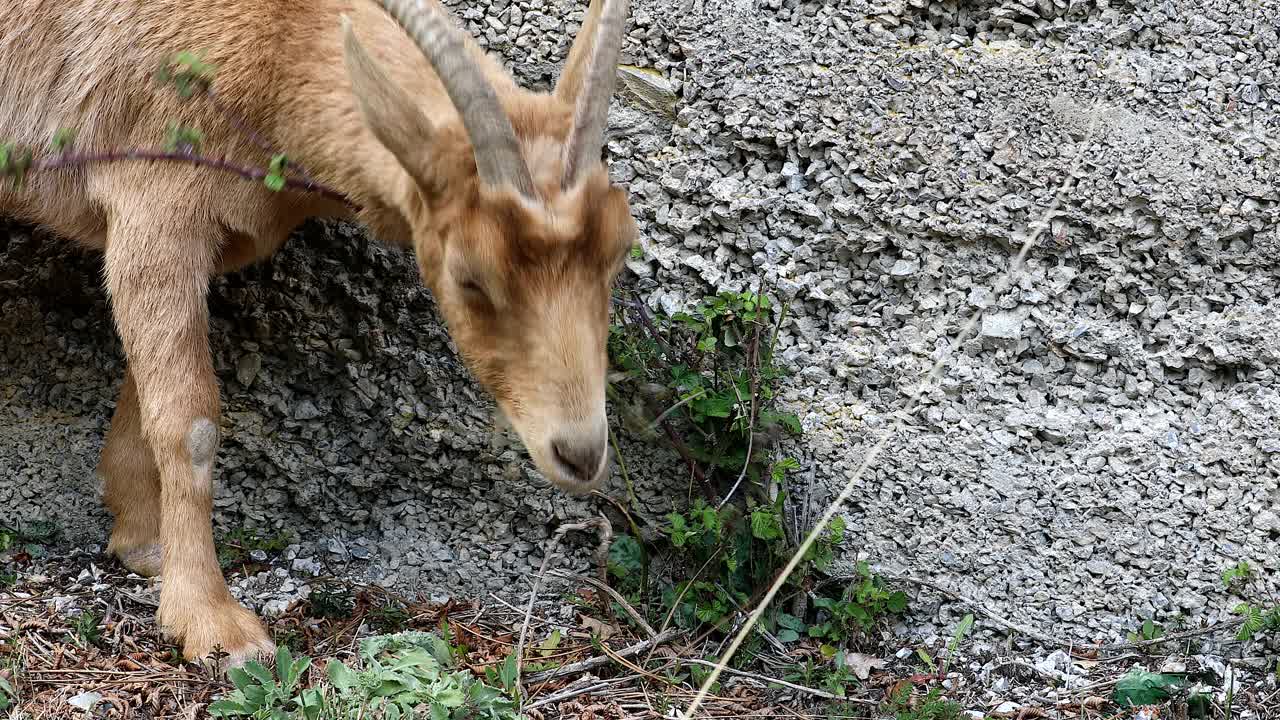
pixel 471 287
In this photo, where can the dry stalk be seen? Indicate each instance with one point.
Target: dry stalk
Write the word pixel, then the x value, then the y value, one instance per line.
pixel 605 530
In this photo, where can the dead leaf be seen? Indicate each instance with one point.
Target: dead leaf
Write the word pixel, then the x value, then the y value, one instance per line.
pixel 897 689
pixel 601 628
pixel 862 665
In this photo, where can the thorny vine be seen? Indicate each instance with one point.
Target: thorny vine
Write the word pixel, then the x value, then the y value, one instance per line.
pixel 191 77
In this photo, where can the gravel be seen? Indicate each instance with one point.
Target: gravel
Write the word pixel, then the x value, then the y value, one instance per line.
pixel 1105 445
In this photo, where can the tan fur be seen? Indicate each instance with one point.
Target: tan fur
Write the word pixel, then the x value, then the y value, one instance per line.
pixel 523 285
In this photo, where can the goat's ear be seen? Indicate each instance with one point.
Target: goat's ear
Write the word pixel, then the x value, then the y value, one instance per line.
pixel 395 120
pixel 569 86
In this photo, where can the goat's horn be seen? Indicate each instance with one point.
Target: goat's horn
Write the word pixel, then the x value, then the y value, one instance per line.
pixel 497 151
pixel 592 111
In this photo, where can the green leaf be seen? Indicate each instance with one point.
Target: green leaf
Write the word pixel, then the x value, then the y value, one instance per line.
pixel 483 694
pixel 1240 571
pixel 341 677
pixel 788 635
pixel 508 673
pixel 1141 687
pixel 551 643
pixel 451 697
pixel 720 406
pixel 255 696
pixel 295 673
pixel 239 678
pixel 62 139
pixel 1254 622
pixel 836 529
pixel 897 602
pixel 765 524
pixel 284 663
pixel 790 621
pixel 228 708
pixel 311 702
pixel 261 673
pixel 274 182
pixel 961 630
pixel 180 138
pixel 626 556
pixel 790 422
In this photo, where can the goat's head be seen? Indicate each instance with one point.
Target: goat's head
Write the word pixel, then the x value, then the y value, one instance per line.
pixel 517 229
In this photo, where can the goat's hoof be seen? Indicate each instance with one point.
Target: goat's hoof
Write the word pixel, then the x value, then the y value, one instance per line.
pixel 224 637
pixel 144 560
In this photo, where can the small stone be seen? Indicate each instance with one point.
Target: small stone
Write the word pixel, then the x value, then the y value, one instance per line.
pixel 905 268
pixel 306 410
pixel 85 700
pixel 247 369
pixel 1002 327
pixel 308 566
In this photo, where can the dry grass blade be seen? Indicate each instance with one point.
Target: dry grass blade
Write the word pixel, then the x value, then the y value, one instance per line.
pixel 601 660
pixel 615 595
pixel 774 681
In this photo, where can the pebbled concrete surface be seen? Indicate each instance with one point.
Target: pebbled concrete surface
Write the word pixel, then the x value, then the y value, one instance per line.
pixel 1106 445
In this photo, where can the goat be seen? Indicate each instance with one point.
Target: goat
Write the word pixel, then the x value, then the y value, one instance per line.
pixel 500 192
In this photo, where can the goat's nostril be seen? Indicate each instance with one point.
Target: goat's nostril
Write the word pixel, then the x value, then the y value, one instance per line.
pixel 581 460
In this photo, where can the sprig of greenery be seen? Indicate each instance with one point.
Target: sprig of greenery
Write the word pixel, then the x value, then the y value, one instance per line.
pixel 1237 574
pixel 190 75
pixel 714 368
pixel 706 382
pixel 15 161
pixel 188 72
pixel 182 139
pixel 1256 620
pixel 395 677
pixel 275 179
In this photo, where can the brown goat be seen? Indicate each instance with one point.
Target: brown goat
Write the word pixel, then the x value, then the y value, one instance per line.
pixel 499 191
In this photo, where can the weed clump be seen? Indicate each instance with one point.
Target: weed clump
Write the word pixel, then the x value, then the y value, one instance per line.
pixel 705 382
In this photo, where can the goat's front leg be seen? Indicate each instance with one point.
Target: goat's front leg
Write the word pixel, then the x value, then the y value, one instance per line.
pixel 158 278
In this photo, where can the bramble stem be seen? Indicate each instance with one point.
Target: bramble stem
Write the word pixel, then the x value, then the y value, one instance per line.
pixel 249 173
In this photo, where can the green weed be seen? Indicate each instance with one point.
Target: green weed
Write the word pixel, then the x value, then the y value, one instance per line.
pixel 238 547
pixel 1237 574
pixel 930 707
pixel 1258 615
pixel 859 609
pixel 705 382
pixel 406 675
pixel 87 629
pixel 331 601
pixel 1148 631
pixel 8 694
